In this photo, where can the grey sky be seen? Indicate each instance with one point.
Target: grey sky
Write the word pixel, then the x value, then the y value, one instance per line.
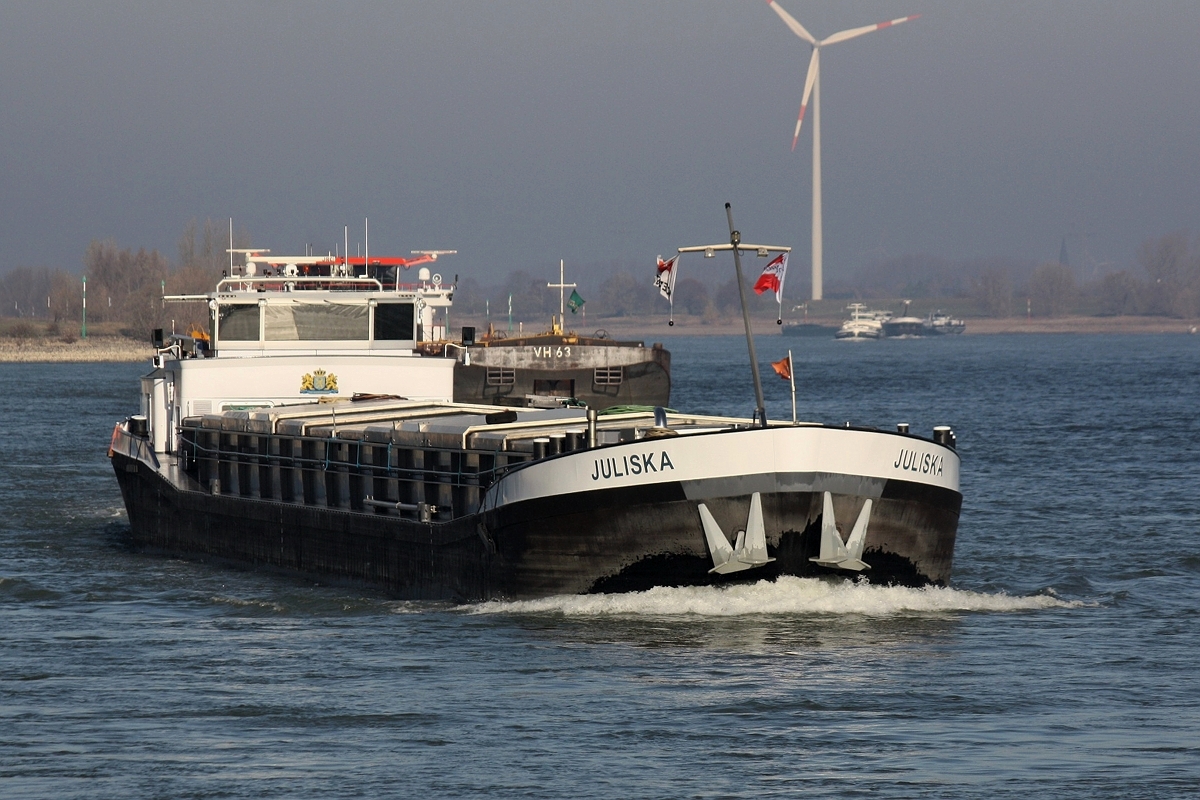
pixel 524 132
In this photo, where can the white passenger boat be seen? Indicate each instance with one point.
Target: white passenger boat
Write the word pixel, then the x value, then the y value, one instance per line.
pixel 863 325
pixel 939 324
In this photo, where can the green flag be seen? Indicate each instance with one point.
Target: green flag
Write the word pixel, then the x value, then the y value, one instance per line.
pixel 576 302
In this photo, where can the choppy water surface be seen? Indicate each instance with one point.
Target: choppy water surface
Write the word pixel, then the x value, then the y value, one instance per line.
pixel 1062 663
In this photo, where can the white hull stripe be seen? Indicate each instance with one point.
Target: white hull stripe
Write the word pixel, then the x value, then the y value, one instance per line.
pixel 775 459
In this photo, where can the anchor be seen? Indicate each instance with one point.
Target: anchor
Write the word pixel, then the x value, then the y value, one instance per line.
pixel 750 549
pixel 836 554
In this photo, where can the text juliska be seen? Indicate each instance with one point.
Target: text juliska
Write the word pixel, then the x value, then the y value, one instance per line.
pixel 912 461
pixel 636 464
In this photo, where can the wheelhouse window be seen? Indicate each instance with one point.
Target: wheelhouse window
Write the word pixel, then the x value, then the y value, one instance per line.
pixel 394 322
pixel 239 322
pixel 303 322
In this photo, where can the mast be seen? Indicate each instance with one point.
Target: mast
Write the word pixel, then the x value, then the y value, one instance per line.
pixel 562 285
pixel 735 239
pixel 762 251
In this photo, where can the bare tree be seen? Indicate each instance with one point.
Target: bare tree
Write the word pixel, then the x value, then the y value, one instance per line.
pixel 530 298
pixel 692 295
pixel 995 292
pixel 726 298
pixel 24 292
pixel 213 255
pixel 131 282
pixel 1052 289
pixel 624 295
pixel 1118 293
pixel 187 245
pixel 1174 275
pixel 66 297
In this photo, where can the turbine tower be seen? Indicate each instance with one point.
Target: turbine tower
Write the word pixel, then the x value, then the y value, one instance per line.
pixel 812 86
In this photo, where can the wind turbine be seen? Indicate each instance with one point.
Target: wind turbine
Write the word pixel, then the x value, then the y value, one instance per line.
pixel 812 86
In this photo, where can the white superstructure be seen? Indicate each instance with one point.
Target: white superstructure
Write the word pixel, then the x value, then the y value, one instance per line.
pixel 301 329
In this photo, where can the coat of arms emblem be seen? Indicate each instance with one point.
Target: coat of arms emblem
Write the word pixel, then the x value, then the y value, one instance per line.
pixel 318 382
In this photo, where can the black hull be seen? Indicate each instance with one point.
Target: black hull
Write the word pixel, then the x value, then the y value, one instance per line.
pixel 894 329
pixel 616 540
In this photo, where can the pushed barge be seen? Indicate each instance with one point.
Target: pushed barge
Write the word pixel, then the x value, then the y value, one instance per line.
pixel 542 369
pixel 316 440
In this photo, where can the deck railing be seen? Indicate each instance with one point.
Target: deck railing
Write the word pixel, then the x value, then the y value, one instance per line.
pixel 371 477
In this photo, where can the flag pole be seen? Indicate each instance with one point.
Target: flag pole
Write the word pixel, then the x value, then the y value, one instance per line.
pixel 735 239
pixel 779 300
pixel 667 287
pixel 792 378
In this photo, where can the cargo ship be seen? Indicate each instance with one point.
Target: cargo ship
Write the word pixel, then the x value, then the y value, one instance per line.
pixel 910 327
pixel 904 326
pixel 308 434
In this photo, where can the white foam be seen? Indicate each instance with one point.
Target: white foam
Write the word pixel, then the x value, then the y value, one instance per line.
pixel 239 602
pixel 787 595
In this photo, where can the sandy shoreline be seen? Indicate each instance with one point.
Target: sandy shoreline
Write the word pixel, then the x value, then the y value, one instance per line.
pixel 121 349
pixel 92 349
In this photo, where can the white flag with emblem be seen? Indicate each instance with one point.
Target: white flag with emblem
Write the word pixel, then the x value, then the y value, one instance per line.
pixel 665 279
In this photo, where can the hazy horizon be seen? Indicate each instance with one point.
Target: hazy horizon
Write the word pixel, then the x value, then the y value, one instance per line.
pixel 526 132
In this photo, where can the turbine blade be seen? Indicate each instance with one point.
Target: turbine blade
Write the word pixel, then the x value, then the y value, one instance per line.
pixel 791 22
pixel 814 66
pixel 854 32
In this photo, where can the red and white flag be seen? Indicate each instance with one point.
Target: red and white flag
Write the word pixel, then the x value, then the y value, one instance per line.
pixel 772 277
pixel 665 279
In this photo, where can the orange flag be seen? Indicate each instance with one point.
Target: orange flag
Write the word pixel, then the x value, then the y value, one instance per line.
pixel 784 367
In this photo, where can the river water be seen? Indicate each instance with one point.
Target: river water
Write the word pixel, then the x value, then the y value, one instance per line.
pixel 1061 663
